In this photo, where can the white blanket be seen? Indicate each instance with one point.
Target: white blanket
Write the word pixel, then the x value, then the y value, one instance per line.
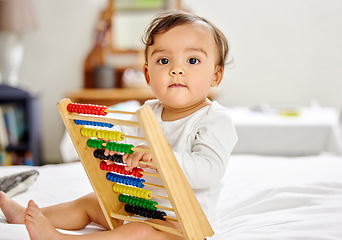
pixel 264 197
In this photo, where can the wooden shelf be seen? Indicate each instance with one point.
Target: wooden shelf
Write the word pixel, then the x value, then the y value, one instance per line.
pixel 110 96
pixel 28 143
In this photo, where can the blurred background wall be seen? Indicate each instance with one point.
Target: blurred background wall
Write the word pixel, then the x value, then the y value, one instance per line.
pixel 284 53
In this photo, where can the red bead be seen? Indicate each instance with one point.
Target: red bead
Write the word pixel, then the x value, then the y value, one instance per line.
pixel 137 172
pixel 103 165
pixel 69 107
pixel 102 111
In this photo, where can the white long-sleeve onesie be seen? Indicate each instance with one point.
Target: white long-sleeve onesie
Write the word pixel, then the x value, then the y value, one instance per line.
pixel 202 144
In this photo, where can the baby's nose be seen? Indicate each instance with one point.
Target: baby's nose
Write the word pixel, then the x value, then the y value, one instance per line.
pixel 176 71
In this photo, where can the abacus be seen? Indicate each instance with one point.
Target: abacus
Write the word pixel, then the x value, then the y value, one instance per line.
pixel 121 193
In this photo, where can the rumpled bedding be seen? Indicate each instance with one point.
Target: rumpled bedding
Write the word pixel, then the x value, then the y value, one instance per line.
pixel 263 198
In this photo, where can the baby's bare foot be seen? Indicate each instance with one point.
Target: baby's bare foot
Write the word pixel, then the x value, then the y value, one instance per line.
pixel 13 212
pixel 37 225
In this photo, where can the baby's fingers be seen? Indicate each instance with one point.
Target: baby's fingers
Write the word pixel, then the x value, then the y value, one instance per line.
pixel 107 152
pixel 132 160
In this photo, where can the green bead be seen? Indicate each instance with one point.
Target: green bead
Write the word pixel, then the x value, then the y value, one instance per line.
pixel 128 149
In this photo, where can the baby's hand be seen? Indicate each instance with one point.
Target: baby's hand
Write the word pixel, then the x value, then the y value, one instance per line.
pixel 132 160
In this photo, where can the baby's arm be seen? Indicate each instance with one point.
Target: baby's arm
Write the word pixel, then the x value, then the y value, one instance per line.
pixel 206 163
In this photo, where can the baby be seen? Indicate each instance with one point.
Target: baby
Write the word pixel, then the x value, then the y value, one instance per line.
pixel 185 57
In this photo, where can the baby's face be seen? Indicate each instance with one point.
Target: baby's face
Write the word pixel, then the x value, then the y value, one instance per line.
pixel 182 65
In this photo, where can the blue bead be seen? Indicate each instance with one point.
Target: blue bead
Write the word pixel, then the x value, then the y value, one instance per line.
pixel 108 176
pixel 140 182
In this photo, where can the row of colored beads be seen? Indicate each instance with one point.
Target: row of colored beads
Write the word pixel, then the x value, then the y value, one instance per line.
pixel 127 180
pixel 133 191
pixel 140 202
pixel 119 147
pixel 104 134
pixel 136 172
pixel 94 143
pixel 145 212
pixel 98 153
pixel 111 146
pixel 92 123
pixel 87 109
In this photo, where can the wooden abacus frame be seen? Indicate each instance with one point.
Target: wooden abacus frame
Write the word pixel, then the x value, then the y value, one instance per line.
pixel 189 214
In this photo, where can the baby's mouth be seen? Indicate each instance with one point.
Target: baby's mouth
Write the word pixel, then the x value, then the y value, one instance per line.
pixel 177 85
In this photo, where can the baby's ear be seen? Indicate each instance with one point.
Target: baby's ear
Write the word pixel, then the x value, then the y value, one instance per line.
pixel 218 76
pixel 146 74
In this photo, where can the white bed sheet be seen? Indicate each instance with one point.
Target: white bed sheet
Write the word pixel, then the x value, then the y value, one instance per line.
pixel 55 184
pixel 297 198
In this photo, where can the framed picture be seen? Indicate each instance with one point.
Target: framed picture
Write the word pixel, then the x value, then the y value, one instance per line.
pixel 124 5
pixel 130 19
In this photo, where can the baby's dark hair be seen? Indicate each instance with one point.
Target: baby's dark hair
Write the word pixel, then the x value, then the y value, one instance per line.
pixel 168 20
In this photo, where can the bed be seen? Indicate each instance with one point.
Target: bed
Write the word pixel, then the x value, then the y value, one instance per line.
pixel 264 197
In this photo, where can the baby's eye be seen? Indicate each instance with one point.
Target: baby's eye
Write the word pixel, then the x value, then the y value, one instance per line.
pixel 163 61
pixel 193 60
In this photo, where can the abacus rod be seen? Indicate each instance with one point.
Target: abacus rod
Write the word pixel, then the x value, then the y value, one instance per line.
pixel 105 120
pixel 155 225
pixel 152 185
pixel 141 150
pixel 134 137
pixel 147 163
pixel 159 196
pixel 150 174
pixel 118 111
pixel 164 208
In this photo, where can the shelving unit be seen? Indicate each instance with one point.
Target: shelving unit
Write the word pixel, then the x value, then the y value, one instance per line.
pixel 22 128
